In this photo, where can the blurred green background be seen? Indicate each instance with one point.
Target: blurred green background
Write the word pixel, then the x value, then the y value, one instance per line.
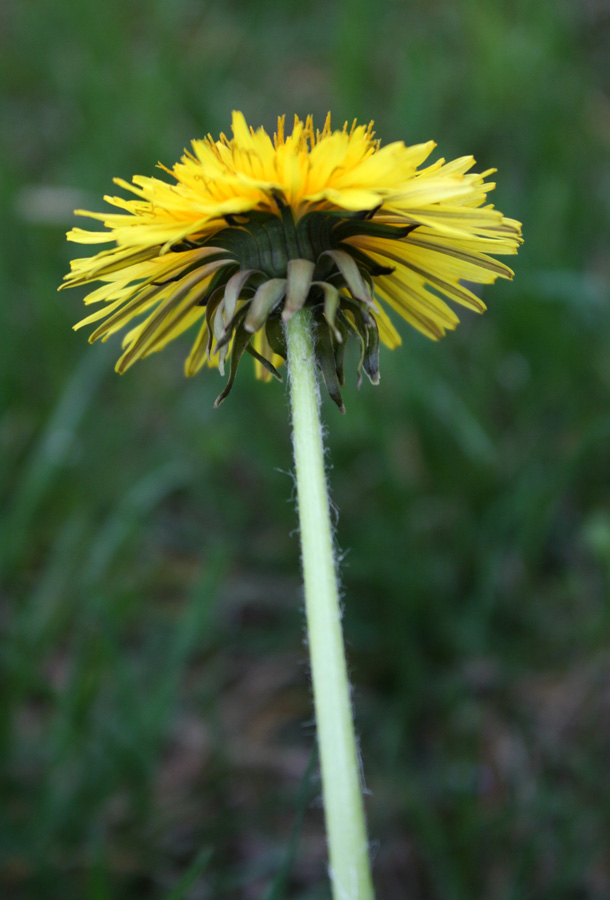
pixel 156 722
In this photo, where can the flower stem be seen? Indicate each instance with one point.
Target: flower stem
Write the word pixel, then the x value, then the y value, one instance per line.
pixel 350 871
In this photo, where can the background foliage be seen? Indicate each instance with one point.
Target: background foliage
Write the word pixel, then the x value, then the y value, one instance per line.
pixel 155 725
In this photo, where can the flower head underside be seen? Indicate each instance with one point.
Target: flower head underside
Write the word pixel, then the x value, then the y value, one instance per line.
pixel 250 229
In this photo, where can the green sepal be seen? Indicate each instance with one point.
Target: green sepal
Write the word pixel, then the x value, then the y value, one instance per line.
pixel 352 275
pixel 264 362
pixel 360 326
pixel 234 239
pixel 234 287
pixel 356 308
pixel 211 310
pixel 366 328
pixel 331 305
pixel 242 339
pixel 232 324
pixel 340 348
pixel 223 344
pixel 325 357
pixel 368 263
pixel 266 298
pixel 300 272
pixel 219 279
pixel 370 363
pixel 314 233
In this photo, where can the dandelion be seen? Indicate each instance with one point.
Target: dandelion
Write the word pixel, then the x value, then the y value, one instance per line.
pixel 282 249
pixel 251 230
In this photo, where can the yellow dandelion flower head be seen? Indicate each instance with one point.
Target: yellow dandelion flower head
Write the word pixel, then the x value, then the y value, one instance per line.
pixel 250 229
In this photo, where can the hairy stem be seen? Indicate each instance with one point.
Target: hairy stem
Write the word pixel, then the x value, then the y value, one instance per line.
pixel 350 871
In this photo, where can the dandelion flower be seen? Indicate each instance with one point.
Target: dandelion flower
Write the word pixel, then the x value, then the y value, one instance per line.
pixel 250 229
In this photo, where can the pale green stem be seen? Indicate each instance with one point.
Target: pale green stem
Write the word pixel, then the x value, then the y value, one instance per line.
pixel 350 870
